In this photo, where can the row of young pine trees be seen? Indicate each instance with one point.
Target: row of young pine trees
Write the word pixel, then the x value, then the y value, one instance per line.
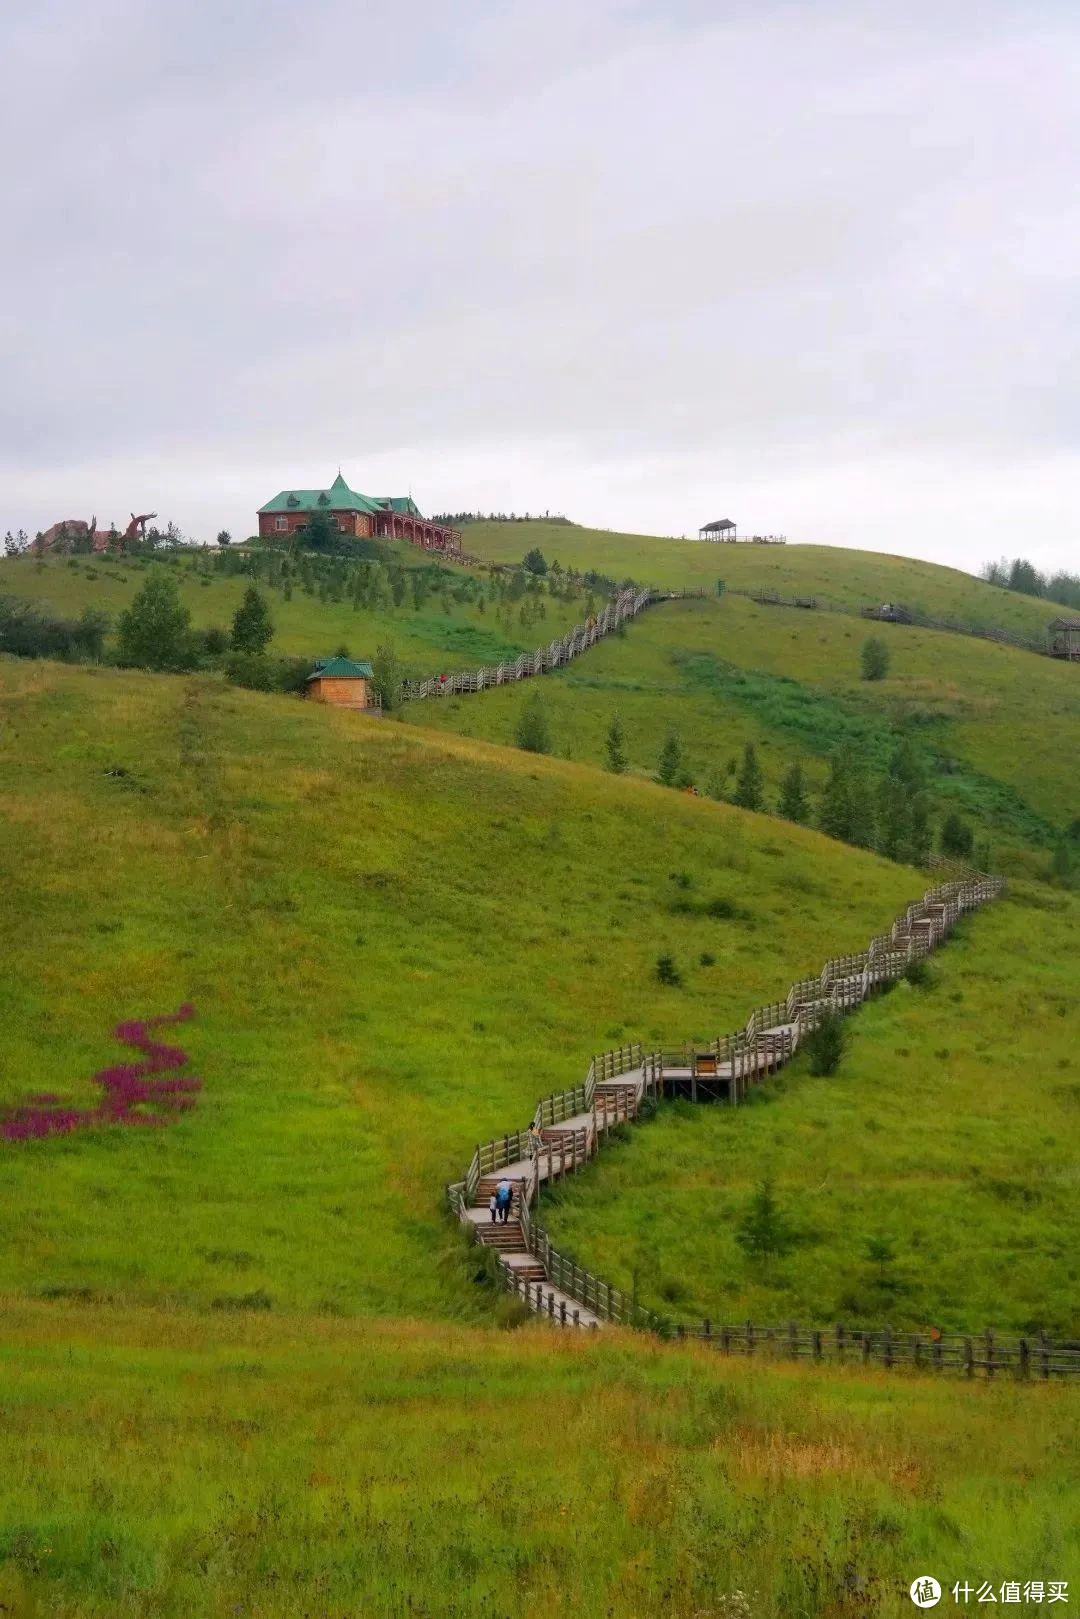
pixel 888 811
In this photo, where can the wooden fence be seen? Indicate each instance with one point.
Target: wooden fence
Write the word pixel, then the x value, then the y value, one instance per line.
pixel 556 655
pixel 766 597
pixel 735 1061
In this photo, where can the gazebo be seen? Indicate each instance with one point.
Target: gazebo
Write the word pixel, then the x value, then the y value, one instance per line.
pixel 722 529
pixel 1065 639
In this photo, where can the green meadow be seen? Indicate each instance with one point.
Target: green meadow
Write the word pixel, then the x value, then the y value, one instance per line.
pixel 248 1364
pixel 165 1463
pixel 949 1133
pixel 856 578
pixel 394 942
pixel 991 722
pixel 443 635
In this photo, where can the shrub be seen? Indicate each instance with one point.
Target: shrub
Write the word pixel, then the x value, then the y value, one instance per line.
pixel 875 659
pixel 957 838
pixel 215 642
pixel 535 562
pixel 667 971
pixel 825 1044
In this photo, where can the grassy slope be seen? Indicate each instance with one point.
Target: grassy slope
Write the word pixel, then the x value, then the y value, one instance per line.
pixel 166 1464
pixel 1004 717
pixel 951 1129
pixel 430 640
pixel 858 578
pixel 395 943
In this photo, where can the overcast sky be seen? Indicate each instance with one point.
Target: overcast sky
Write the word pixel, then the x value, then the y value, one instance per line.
pixel 647 262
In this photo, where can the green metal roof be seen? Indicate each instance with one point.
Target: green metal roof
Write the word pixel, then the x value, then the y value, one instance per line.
pixel 403 504
pixel 338 498
pixel 342 669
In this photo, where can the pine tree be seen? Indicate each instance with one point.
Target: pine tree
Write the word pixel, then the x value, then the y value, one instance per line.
pixel 763 1232
pixel 155 631
pixel 835 811
pixel 252 626
pixel 749 788
pixel 860 808
pixel 875 659
pixel 532 732
pixel 669 764
pixel 793 805
pixel 615 747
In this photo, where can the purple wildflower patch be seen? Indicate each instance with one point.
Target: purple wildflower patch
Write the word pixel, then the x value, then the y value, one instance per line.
pixel 127 1087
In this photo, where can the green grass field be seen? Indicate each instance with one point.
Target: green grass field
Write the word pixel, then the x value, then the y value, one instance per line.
pixel 991 721
pixel 169 1464
pixel 395 942
pixel 856 578
pixel 428 641
pixel 248 1364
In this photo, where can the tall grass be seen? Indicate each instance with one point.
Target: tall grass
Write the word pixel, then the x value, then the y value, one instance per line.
pixel 170 1464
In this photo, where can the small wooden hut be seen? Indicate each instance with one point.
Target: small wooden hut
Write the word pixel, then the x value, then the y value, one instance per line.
pixel 345 682
pixel 1065 639
pixel 723 529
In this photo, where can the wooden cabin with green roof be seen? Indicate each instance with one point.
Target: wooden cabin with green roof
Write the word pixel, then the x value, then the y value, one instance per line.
pixel 345 682
pixel 387 517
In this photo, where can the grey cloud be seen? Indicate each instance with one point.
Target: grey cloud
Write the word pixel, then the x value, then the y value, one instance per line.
pixel 790 239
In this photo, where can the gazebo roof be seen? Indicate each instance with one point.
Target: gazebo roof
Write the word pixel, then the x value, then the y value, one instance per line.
pixel 342 669
pixel 721 522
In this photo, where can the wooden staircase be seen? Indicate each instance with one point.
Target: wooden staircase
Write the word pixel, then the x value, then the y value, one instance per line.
pixel 569 1127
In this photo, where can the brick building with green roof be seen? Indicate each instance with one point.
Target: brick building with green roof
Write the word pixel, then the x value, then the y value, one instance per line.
pixel 388 517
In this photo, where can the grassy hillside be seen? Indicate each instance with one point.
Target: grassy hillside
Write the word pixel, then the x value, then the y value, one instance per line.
pixel 950 1130
pixel 442 635
pixel 857 578
pixel 394 942
pixel 993 723
pixel 159 1463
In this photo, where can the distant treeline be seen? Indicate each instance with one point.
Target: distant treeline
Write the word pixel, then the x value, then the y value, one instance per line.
pixel 1025 578
pixel 458 519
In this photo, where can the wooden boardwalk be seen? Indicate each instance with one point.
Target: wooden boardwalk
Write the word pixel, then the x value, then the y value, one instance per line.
pixel 569 1127
pixel 624 605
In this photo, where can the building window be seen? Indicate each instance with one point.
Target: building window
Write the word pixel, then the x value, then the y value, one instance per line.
pixel 281 523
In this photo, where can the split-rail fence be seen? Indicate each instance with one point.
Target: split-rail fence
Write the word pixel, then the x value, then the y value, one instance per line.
pixel 569 1127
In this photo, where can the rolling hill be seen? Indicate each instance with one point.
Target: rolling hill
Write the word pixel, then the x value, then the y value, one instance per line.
pixel 395 934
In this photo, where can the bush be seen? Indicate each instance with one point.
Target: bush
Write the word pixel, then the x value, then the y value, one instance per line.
pixel 957 838
pixel 667 971
pixel 31 632
pixel 875 659
pixel 215 642
pixel 535 562
pixel 825 1044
